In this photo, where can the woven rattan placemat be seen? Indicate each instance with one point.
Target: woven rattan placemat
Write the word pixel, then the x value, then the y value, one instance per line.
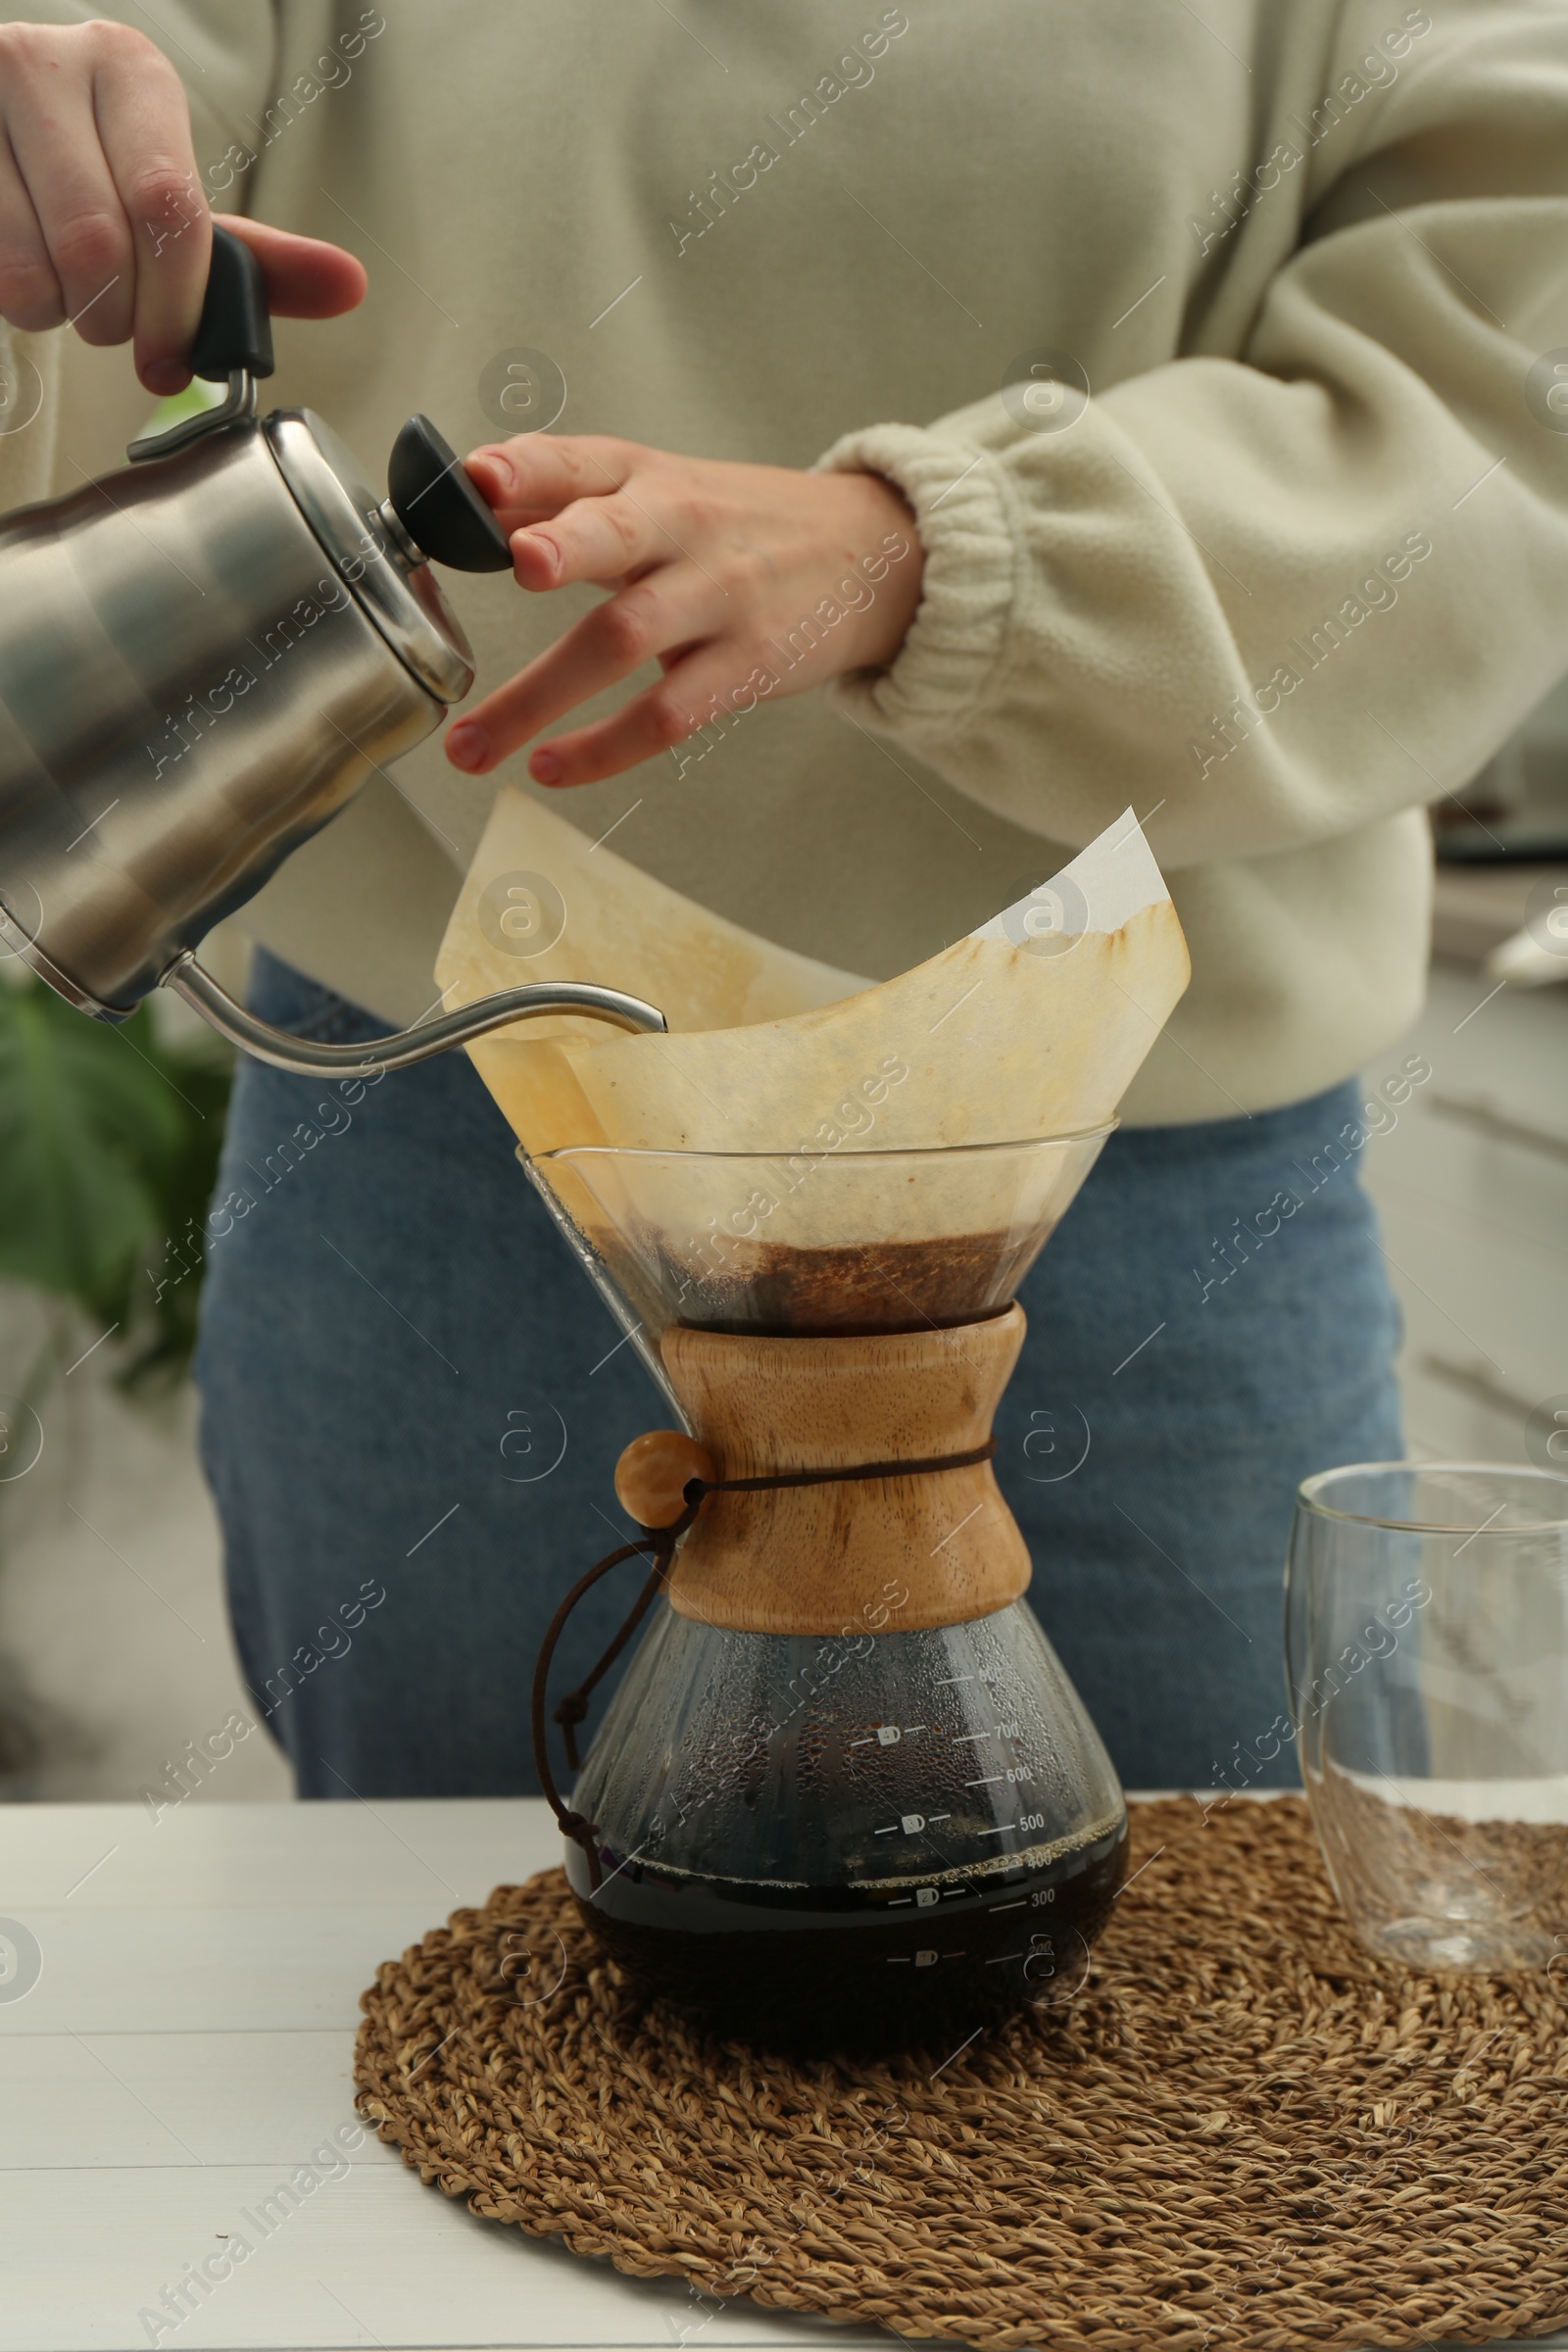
pixel 1240 2131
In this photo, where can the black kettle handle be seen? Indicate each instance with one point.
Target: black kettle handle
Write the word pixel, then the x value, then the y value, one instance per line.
pixel 236 327
pixel 434 500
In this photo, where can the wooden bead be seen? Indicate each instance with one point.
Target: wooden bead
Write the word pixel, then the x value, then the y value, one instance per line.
pixel 651 1474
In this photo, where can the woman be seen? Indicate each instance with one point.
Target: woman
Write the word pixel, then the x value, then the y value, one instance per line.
pixel 1191 363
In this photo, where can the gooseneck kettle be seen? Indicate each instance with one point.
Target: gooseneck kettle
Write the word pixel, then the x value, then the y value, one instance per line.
pixel 203 657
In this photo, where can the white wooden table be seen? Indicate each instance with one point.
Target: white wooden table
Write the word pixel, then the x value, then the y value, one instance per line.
pixel 187 2044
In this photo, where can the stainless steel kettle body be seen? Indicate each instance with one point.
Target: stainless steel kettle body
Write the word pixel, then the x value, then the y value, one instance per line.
pixel 203 657
pixel 189 686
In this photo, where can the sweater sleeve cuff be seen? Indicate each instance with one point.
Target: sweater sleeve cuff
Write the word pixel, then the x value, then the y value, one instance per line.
pixel 962 505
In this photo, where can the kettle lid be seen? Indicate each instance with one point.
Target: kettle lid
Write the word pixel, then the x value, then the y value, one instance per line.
pixel 381 547
pixel 372 549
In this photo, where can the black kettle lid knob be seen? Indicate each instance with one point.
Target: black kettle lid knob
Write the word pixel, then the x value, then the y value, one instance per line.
pixel 438 505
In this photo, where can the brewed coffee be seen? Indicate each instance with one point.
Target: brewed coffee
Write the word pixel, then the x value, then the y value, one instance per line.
pixel 841 1963
pixel 812 1837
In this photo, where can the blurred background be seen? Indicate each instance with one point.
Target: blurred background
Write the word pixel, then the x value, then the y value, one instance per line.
pixel 114 1653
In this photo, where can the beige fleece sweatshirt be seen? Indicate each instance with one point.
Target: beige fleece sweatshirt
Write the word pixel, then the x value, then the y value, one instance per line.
pixel 1217 344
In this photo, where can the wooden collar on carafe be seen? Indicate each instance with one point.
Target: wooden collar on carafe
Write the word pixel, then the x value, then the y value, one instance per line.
pixel 927 1546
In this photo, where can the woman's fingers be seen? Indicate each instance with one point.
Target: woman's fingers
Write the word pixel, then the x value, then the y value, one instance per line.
pixel 144 122
pixel 103 218
pixel 650 723
pixel 598 539
pixel 709 559
pixel 571 499
pixel 29 291
pixel 54 138
pixel 672 609
pixel 306 277
pixel 536 474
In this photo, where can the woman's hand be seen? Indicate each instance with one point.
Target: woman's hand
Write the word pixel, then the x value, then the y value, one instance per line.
pixel 102 220
pixel 741 581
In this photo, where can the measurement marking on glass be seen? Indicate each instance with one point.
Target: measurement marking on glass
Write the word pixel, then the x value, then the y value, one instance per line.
pixel 997 1832
pixel 968 1738
pixel 939 1817
pixel 1020 1905
pixel 952 1680
pixel 994 1781
pixel 1000 1956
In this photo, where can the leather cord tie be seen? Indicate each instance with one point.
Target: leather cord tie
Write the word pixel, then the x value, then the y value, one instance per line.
pixel 657 1544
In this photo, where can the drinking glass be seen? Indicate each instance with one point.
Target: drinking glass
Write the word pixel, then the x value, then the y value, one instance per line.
pixel 1427 1655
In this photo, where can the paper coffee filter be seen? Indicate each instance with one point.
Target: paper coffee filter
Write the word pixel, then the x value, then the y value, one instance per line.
pixel 542 901
pixel 1031 1026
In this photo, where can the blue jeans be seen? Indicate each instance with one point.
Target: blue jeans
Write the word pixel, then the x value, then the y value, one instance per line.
pixel 413 1403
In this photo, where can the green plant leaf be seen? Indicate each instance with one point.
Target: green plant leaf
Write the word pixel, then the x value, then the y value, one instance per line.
pixel 109 1147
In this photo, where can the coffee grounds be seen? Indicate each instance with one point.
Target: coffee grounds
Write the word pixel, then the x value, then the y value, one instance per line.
pixel 859 1288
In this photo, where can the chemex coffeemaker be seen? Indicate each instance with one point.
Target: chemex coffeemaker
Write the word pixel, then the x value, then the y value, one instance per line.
pixel 845 1787
pixel 203 659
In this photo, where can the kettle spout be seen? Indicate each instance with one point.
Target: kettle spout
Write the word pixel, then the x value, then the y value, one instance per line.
pixel 306 1059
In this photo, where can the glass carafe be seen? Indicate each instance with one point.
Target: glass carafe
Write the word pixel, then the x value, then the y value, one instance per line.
pixel 846 1789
